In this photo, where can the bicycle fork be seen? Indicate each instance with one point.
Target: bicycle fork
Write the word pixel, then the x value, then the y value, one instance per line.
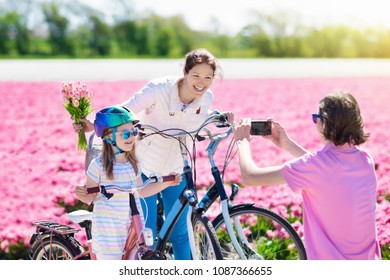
pixel 218 190
pixel 226 216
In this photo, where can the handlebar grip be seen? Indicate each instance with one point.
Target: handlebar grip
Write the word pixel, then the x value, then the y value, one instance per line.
pixel 168 178
pixel 222 118
pixel 141 135
pixel 93 190
pixel 139 126
pixel 224 124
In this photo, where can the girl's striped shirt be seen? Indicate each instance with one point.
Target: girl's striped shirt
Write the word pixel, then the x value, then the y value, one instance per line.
pixel 111 218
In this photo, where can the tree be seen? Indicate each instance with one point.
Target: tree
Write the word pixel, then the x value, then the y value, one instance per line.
pixel 254 37
pixel 100 42
pixel 183 36
pixel 58 39
pixel 125 33
pixel 4 36
pixel 164 37
pixel 142 45
pixel 329 41
pixel 14 34
pixel 21 35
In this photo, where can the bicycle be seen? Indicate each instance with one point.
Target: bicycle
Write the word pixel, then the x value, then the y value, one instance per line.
pixel 202 237
pixel 244 230
pixel 203 240
pixel 54 241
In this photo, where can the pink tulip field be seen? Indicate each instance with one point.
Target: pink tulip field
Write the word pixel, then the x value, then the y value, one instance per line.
pixel 40 163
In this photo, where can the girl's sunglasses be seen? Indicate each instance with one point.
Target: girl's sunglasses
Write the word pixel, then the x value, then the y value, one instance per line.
pixel 315 117
pixel 126 134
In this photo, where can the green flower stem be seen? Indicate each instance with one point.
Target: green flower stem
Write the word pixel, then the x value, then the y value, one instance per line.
pixel 81 111
pixel 82 141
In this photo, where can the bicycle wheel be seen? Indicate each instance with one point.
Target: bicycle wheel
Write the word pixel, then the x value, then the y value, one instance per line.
pixel 206 241
pixel 59 249
pixel 261 234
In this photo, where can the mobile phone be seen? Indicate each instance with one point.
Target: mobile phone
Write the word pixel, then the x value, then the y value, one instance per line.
pixel 262 128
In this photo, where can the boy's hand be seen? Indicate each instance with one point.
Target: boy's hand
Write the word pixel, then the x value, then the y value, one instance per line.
pixel 242 130
pixel 279 136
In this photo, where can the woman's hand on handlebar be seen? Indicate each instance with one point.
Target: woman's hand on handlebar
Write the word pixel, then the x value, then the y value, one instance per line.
pixel 85 125
pixel 158 187
pixel 176 181
pixel 229 116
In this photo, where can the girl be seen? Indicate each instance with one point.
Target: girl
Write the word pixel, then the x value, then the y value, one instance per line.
pixel 181 102
pixel 117 165
pixel 338 183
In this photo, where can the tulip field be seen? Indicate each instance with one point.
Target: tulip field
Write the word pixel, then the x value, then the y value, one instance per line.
pixel 40 162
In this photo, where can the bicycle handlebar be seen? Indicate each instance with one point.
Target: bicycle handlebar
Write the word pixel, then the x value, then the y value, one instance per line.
pixel 216 117
pixel 214 137
pixel 153 179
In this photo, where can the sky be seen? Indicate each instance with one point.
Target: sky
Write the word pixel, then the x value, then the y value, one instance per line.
pixel 233 15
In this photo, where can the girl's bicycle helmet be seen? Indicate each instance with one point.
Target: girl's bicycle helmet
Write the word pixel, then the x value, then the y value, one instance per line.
pixel 113 116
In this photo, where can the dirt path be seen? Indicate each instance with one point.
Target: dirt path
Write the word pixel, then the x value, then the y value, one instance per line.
pixel 145 69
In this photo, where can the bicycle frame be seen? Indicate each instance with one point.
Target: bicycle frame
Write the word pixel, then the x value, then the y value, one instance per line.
pixel 218 190
pixel 188 196
pixel 233 225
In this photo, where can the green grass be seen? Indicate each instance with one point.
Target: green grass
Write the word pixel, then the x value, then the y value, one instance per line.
pixel 275 247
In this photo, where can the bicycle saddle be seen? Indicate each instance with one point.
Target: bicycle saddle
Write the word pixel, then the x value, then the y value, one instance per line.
pixel 79 216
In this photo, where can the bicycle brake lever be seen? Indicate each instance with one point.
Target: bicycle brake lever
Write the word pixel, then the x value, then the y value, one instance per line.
pixel 200 138
pixel 222 121
pixel 235 189
pixel 153 178
pixel 139 126
pixel 105 193
pixel 141 135
pixel 222 124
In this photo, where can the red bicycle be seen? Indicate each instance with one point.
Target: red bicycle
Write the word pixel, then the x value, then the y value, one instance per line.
pixel 54 241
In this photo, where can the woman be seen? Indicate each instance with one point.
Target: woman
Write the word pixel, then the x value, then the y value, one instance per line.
pixel 181 102
pixel 338 183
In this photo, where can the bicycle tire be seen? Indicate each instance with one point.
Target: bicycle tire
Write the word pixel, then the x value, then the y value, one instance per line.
pixel 206 242
pixel 269 236
pixel 61 249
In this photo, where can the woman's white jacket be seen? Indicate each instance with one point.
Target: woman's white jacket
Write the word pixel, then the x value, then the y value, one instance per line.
pixel 158 104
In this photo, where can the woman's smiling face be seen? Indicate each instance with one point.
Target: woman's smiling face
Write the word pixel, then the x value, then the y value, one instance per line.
pixel 199 79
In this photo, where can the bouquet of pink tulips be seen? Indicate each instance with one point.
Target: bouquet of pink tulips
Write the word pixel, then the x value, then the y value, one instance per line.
pixel 77 100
